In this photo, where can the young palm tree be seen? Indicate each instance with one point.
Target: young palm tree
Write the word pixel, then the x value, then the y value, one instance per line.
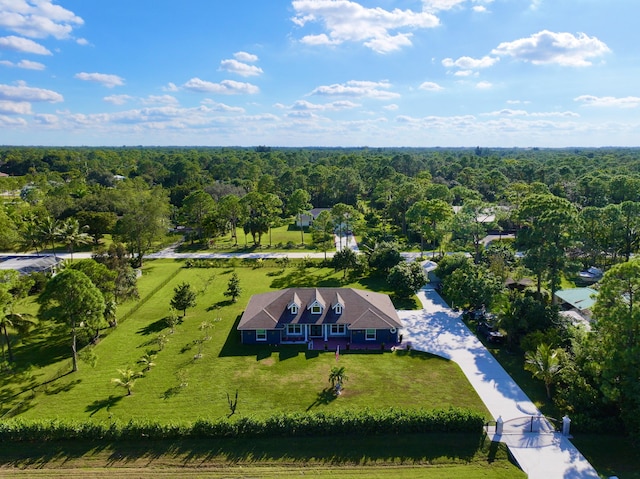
pixel 337 377
pixel 21 323
pixel 127 379
pixel 147 360
pixel 543 364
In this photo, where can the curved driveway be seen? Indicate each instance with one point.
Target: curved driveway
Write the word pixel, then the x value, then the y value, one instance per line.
pixel 439 330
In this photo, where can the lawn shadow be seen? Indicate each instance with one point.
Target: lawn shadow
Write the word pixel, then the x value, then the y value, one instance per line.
pixel 155 327
pixel 171 392
pixel 324 397
pixel 100 404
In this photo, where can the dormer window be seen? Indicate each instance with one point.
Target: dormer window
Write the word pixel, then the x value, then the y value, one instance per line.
pixel 316 309
pixel 294 309
pixel 338 309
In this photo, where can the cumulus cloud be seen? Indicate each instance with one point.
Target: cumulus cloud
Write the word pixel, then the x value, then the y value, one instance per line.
pixel 23 45
pixel 239 68
pixel 484 85
pixel 507 112
pixel 380 30
pixel 225 87
pixel 468 63
pixel 221 107
pixel 430 86
pixel 609 101
pixel 357 89
pixel 245 57
pixel 104 79
pixel 15 107
pixel 170 87
pixel 438 5
pixel 547 47
pixel 38 18
pixel 22 92
pixel 25 64
pixel 117 99
pixel 160 100
pixel 303 105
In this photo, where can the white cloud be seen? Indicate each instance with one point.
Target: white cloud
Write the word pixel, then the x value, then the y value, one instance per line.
pixel 355 88
pixel 484 85
pixel 221 107
pixel 117 99
pixel 438 5
pixel 547 47
pixel 245 57
pixel 239 68
pixel 12 122
pixel 22 92
pixel 160 100
pixel 430 86
pixel 170 87
pixel 507 112
pixel 46 119
pixel 15 107
pixel 468 63
pixel 381 30
pixel 23 45
pixel 391 107
pixel 303 105
pixel 82 41
pixel 38 18
pixel 225 87
pixel 609 101
pixel 25 64
pixel 104 79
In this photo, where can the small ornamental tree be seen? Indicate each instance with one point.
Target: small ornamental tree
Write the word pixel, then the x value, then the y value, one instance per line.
pixel 127 379
pixel 337 377
pixel 233 288
pixel 183 297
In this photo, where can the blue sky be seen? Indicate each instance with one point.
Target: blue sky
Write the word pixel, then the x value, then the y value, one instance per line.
pixel 503 73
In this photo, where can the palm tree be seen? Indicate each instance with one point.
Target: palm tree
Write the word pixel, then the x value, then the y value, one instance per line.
pixel 30 235
pixel 21 323
pixel 72 234
pixel 147 360
pixel 127 379
pixel 49 231
pixel 543 364
pixel 337 377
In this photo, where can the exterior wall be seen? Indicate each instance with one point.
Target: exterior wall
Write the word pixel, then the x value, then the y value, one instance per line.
pixel 249 337
pixel 358 336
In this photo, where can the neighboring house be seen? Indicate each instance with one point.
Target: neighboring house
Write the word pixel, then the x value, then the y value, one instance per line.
pixel 30 264
pixel 576 303
pixel 307 219
pixel 302 315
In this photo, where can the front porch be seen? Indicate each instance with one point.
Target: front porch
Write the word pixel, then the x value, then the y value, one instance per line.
pixel 332 344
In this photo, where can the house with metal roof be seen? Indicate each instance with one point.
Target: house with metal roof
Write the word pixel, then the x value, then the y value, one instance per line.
pixel 576 303
pixel 26 264
pixel 308 315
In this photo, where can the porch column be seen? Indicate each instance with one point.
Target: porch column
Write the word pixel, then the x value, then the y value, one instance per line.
pixel 306 332
pixel 326 330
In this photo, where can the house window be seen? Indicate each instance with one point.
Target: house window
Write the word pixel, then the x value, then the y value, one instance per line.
pixel 261 335
pixel 338 309
pixel 338 329
pixel 370 335
pixel 294 329
pixel 294 309
pixel 316 309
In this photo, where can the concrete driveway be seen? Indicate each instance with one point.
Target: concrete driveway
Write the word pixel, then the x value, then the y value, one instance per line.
pixel 543 454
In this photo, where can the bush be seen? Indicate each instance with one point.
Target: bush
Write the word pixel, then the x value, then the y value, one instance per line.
pixel 395 421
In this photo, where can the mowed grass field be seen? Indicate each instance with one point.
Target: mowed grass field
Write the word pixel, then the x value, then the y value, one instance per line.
pixel 181 387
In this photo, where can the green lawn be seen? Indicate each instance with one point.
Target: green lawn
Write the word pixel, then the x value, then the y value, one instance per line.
pixel 413 456
pixel 287 378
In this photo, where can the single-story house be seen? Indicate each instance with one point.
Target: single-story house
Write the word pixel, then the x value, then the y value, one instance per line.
pixel 306 219
pixel 27 264
pixel 578 301
pixel 303 315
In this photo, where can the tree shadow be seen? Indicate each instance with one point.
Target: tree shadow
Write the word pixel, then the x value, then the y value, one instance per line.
pixel 62 387
pixel 155 327
pixel 171 392
pixel 220 304
pixel 100 404
pixel 324 397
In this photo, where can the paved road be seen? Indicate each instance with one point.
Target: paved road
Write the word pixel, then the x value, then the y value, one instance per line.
pixel 542 455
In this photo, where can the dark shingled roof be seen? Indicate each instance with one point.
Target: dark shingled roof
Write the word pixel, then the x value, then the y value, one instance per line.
pixel 361 309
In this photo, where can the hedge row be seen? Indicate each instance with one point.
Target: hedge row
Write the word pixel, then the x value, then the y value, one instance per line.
pixel 391 421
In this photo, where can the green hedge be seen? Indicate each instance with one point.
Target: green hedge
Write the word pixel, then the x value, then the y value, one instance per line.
pixel 366 422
